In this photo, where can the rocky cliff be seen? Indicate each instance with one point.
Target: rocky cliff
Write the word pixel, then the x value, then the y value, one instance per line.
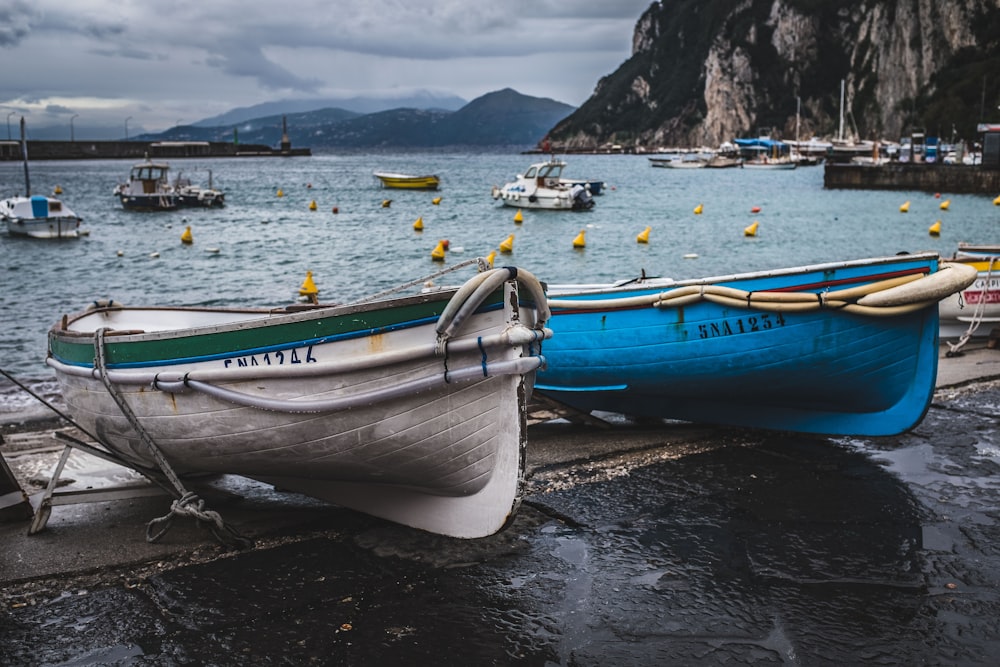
pixel 706 71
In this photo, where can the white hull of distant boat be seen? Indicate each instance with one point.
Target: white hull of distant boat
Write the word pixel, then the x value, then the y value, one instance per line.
pixel 541 187
pixel 39 217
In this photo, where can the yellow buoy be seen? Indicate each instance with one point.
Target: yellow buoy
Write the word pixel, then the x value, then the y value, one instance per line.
pixel 996 202
pixel 438 253
pixel 312 205
pixel 752 229
pixel 945 204
pixel 386 202
pixel 579 241
pixel 905 207
pixel 935 229
pixel 436 201
pixel 419 225
pixel 490 257
pixel 507 246
pixel 698 209
pixel 187 237
pixel 308 286
pixel 643 236
pixel 58 190
pixel 281 193
pixel 518 218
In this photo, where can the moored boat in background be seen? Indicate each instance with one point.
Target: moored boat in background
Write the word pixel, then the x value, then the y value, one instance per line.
pixel 541 187
pixel 148 188
pixel 411 408
pixel 847 348
pixel 408 181
pixel 37 216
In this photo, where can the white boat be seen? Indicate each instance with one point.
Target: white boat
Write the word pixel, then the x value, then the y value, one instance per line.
pixel 411 409
pixel 37 216
pixel 190 194
pixel 975 311
pixel 680 162
pixel 540 187
pixel 148 188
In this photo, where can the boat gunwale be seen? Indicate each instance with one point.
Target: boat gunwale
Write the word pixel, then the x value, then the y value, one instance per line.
pixel 568 290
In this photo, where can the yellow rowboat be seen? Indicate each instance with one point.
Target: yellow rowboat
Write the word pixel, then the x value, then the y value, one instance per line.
pixel 408 182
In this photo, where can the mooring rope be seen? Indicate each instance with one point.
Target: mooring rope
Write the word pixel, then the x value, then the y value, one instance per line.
pixel 419 281
pixel 977 313
pixel 188 503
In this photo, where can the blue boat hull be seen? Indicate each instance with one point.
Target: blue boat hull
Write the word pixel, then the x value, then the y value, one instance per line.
pixel 818 371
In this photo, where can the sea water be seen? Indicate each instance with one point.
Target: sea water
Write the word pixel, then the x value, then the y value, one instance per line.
pixel 360 239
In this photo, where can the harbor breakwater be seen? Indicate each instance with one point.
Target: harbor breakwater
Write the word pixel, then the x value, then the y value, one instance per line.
pixel 963 179
pixel 109 150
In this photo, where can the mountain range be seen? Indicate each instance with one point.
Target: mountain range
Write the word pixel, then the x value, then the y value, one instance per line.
pixel 504 118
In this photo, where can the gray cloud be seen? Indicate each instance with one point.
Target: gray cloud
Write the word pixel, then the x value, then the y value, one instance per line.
pixel 203 58
pixel 16 21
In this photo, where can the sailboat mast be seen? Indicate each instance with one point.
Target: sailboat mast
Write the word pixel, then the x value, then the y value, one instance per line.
pixel 840 135
pixel 24 153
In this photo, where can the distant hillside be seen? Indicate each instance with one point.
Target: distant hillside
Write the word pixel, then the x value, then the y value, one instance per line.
pixel 357 104
pixel 706 71
pixel 501 118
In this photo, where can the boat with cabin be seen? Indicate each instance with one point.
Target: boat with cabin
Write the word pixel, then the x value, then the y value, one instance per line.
pixel 541 187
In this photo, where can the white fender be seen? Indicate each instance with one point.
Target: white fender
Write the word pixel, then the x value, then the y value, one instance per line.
pixel 948 279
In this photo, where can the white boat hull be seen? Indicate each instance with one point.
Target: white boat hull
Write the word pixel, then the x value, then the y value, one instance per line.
pixel 378 423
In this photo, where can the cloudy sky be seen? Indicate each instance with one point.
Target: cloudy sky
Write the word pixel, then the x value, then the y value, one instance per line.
pixel 159 63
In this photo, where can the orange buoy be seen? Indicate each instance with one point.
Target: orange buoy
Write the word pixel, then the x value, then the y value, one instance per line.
pixel 580 241
pixel 518 218
pixel 336 210
pixel 752 229
pixel 438 253
pixel 755 209
pixel 507 246
pixel 905 207
pixel 643 236
pixel 935 229
pixel 187 237
pixel 937 195
pixel 446 243
pixel 419 225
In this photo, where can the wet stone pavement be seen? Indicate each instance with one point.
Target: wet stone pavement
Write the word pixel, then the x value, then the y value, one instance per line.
pixel 709 547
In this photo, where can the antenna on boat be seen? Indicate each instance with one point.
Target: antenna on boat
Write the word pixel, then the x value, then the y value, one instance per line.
pixel 24 153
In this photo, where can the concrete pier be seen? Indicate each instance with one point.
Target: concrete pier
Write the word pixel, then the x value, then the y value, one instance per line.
pixel 955 178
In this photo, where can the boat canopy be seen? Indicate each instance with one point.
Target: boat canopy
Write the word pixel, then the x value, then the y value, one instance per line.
pixel 763 144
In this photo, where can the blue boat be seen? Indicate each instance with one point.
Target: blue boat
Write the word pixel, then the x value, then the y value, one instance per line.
pixel 846 348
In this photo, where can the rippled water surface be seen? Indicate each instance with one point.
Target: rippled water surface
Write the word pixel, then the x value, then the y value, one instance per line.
pixel 266 243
